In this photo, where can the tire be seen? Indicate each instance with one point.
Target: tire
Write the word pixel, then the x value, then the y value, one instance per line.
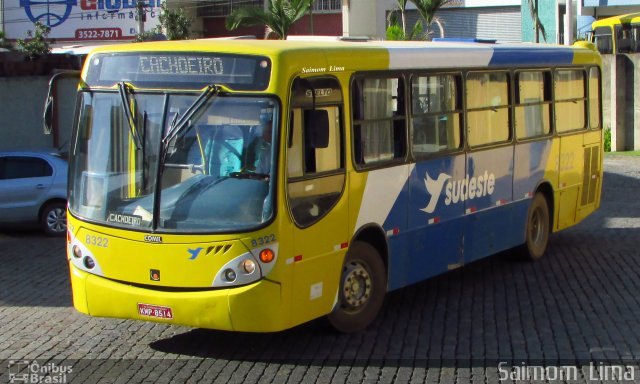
pixel 363 286
pixel 537 231
pixel 53 219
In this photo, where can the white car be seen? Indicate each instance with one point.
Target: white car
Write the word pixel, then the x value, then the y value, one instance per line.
pixel 33 188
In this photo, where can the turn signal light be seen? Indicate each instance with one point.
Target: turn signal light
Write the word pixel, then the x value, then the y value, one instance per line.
pixel 267 255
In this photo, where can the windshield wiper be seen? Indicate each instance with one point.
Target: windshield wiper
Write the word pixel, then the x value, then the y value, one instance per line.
pixel 123 90
pixel 178 124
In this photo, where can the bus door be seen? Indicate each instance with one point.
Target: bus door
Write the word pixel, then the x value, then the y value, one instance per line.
pixel 315 194
pixel 436 214
pixel 592 150
pixel 579 159
pixel 487 189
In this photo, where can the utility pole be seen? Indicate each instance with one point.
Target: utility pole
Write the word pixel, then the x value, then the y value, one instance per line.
pixel 311 17
pixel 568 24
pixel 141 16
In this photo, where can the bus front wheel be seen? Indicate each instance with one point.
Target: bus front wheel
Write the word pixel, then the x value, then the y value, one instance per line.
pixel 537 232
pixel 363 285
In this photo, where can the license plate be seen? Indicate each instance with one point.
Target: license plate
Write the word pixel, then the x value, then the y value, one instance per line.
pixel 155 311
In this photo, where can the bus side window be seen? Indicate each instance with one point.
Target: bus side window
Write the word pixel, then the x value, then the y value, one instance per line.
pixel 594 98
pixel 533 104
pixel 379 120
pixel 603 40
pixel 435 114
pixel 571 99
pixel 487 108
pixel 315 163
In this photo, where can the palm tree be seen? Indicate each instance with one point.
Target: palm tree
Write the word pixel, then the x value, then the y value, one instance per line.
pixel 537 23
pixel 279 16
pixel 427 9
pixel 402 5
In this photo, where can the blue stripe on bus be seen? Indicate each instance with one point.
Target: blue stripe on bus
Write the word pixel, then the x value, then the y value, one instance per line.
pixel 518 56
pixel 435 235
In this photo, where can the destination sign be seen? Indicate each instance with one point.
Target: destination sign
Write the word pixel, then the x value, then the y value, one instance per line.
pixel 183 70
pixel 184 65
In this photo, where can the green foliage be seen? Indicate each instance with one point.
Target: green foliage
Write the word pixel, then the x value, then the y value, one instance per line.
pixel 36 44
pixel 395 32
pixel 3 42
pixel 607 139
pixel 174 22
pixel 427 9
pixel 152 35
pixel 278 18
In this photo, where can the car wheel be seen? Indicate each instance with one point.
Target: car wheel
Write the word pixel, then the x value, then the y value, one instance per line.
pixel 363 286
pixel 53 219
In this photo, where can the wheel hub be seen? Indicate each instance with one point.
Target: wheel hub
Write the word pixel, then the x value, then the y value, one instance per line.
pixel 536 227
pixel 357 286
pixel 56 220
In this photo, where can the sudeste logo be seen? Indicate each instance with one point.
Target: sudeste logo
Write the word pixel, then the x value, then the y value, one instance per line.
pixel 457 190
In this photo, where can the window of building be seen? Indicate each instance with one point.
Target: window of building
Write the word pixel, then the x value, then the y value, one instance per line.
pixel 435 113
pixel 379 119
pixel 569 87
pixel 533 104
pixel 487 107
pixel 223 8
pixel 327 5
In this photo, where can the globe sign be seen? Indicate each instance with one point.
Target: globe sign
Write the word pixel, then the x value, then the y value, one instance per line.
pixel 48 12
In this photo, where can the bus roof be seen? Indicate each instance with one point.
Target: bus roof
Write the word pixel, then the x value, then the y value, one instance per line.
pixel 616 20
pixel 383 55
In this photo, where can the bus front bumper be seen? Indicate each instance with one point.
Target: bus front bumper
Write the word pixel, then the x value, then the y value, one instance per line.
pixel 253 308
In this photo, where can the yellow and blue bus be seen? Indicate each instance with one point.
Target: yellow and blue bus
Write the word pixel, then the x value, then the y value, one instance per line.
pixel 617 34
pixel 257 185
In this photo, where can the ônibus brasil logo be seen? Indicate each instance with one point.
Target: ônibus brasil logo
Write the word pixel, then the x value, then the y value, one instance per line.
pixel 458 190
pixel 48 12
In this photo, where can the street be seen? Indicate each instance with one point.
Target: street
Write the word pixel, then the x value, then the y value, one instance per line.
pixel 577 307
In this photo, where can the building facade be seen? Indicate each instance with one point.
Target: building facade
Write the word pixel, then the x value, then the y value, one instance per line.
pixel 89 22
pixel 552 14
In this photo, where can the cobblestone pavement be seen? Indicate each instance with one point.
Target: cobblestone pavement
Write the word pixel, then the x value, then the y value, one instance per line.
pixel 576 312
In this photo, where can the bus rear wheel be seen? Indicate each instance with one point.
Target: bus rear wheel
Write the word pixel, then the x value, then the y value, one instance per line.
pixel 537 232
pixel 363 286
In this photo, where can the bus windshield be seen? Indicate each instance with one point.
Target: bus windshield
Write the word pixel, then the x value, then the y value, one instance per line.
pixel 214 173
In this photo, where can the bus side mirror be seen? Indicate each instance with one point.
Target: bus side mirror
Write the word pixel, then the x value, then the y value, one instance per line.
pixel 48 116
pixel 317 123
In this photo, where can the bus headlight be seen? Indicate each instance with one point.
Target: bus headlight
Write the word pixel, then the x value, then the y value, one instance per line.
pixel 249 266
pixel 241 270
pixel 82 258
pixel 89 263
pixel 230 275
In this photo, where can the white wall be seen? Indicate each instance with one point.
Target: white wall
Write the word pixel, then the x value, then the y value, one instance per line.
pixel 490 3
pixel 368 17
pixel 365 18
